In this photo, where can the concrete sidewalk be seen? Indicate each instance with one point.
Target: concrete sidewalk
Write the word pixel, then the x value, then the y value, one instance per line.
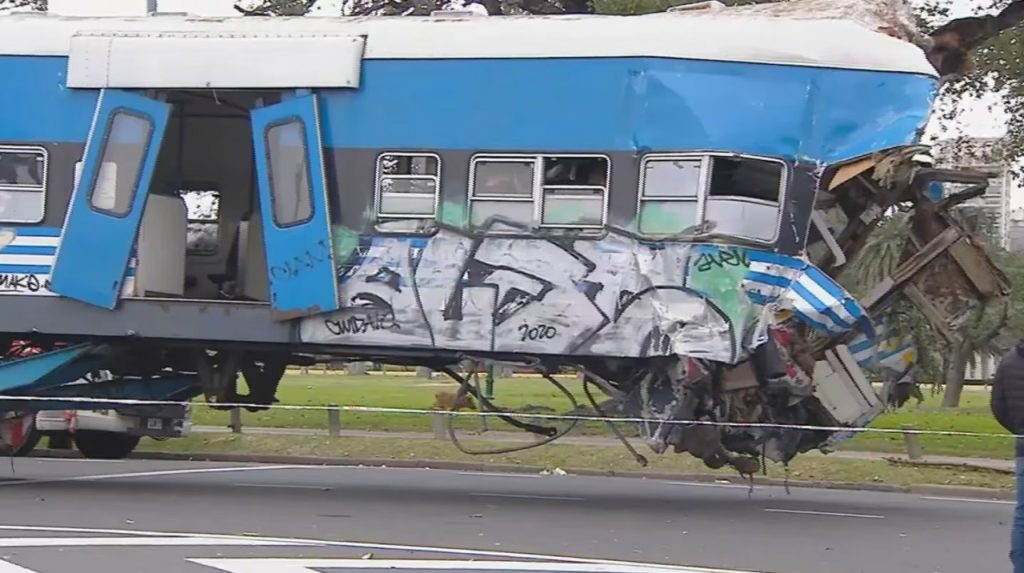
pixel 497 436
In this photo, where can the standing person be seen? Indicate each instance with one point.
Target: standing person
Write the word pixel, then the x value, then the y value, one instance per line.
pixel 1007 405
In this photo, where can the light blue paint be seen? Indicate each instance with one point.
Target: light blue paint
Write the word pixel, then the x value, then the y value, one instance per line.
pixel 300 258
pixel 95 246
pixel 625 104
pixel 46 370
pixel 561 104
pixel 37 105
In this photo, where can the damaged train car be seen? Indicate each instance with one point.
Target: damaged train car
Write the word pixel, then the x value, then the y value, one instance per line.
pixel 663 202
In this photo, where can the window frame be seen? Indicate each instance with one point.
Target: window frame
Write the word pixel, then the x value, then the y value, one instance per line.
pixel 704 190
pixel 538 190
pixel 102 152
pixel 16 188
pixel 378 193
pixel 270 170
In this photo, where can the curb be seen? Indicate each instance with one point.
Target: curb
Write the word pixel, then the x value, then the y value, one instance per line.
pixel 936 490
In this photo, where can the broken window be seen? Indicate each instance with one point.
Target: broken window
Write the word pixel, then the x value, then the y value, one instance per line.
pixel 574 191
pixel 408 185
pixel 22 184
pixel 744 197
pixel 728 195
pixel 549 191
pixel 670 193
pixel 203 212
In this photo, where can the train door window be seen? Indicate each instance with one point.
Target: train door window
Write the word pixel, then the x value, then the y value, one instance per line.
pixel 203 212
pixel 574 192
pixel 744 197
pixel 290 190
pixel 124 151
pixel 670 191
pixel 22 184
pixel 503 186
pixel 408 185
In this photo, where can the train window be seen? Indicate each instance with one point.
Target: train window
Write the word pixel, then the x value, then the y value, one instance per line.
pixel 203 211
pixel 726 195
pixel 670 195
pixel 290 190
pixel 504 187
pixel 562 191
pixel 744 197
pixel 408 185
pixel 574 191
pixel 124 151
pixel 22 184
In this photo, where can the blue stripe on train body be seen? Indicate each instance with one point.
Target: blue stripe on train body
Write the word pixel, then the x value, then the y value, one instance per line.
pixel 27 261
pixel 560 104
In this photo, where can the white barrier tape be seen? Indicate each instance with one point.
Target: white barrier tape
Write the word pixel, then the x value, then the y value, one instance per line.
pixel 559 417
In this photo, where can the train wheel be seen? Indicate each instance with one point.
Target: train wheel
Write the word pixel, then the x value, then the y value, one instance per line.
pixel 18 434
pixel 98 445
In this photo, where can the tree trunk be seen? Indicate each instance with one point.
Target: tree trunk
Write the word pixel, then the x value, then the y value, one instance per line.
pixel 953 374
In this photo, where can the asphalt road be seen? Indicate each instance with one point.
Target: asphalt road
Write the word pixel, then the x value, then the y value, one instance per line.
pixel 162 517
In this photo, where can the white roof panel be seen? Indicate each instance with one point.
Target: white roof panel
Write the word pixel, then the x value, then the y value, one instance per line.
pixel 720 36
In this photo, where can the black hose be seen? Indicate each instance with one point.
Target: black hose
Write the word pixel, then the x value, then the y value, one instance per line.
pixel 466 387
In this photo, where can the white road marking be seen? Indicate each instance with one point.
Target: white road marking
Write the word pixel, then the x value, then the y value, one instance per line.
pixel 524 496
pixel 139 541
pixel 344 544
pixel 969 500
pixel 313 565
pixel 8 567
pixel 709 484
pixel 157 473
pixel 497 474
pixel 828 513
pixel 282 486
pixel 77 460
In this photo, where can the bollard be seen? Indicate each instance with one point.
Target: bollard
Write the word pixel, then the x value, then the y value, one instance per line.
pixel 356 368
pixel 437 423
pixel 914 450
pixel 333 420
pixel 236 420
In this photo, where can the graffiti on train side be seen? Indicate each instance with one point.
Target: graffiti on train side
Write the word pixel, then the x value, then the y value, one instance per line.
pixel 613 296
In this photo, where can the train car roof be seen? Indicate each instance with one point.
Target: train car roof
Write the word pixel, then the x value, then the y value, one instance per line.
pixel 759 39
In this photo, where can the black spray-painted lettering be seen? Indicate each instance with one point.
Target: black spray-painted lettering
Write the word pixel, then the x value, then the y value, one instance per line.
pixel 368 313
pixel 721 259
pixel 22 283
pixel 307 259
pixel 538 332
pixel 366 321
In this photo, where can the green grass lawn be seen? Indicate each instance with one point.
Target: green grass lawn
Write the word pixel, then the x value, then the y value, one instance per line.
pixel 519 392
pixel 808 467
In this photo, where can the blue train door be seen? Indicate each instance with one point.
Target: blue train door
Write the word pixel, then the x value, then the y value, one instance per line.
pixel 293 204
pixel 109 196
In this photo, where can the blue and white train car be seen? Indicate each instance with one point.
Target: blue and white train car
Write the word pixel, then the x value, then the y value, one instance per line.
pixel 184 198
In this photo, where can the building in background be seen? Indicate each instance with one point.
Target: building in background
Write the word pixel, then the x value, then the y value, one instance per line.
pixel 992 212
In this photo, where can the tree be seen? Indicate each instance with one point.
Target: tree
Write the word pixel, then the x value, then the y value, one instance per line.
pixel 32 4
pixel 277 7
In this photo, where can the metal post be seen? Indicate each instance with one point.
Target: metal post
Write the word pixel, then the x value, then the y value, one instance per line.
pixel 333 421
pixel 914 449
pixel 480 403
pixel 489 383
pixel 437 422
pixel 236 420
